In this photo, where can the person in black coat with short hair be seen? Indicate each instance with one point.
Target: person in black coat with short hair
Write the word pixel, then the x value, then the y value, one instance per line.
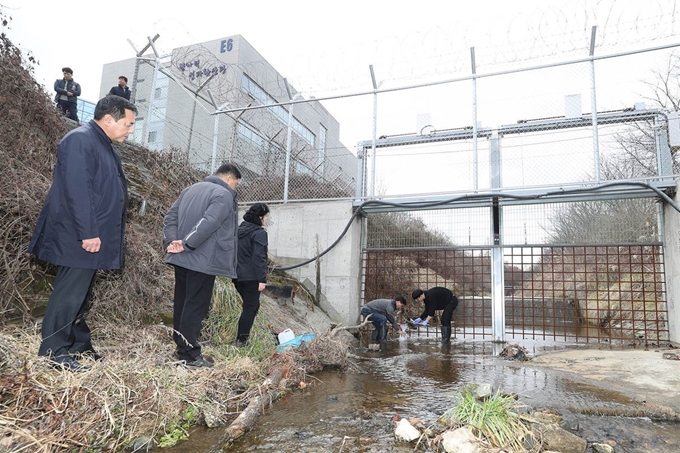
pixel 67 94
pixel 81 227
pixel 437 298
pixel 251 270
pixel 121 89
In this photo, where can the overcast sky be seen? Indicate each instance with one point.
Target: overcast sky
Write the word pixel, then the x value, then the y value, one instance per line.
pixel 325 48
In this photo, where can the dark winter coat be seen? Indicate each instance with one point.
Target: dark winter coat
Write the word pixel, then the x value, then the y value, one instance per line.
pixel 436 298
pixel 252 252
pixel 386 307
pixel 205 218
pixel 123 92
pixel 61 86
pixel 88 199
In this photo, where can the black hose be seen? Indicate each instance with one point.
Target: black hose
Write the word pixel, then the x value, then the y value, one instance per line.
pixel 433 204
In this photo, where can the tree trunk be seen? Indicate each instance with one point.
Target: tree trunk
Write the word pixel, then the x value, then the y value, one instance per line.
pixel 269 392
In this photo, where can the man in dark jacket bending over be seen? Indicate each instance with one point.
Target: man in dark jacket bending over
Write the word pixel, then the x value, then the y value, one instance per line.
pixel 199 234
pixel 381 311
pixel 437 298
pixel 82 227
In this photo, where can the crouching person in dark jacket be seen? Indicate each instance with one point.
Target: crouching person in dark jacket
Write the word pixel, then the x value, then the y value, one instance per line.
pixel 382 311
pixel 199 234
pixel 81 227
pixel 252 267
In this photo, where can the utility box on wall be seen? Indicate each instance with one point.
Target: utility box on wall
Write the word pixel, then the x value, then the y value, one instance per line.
pixel 572 106
pixel 674 129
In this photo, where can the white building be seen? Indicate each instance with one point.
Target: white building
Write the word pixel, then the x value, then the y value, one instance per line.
pixel 174 97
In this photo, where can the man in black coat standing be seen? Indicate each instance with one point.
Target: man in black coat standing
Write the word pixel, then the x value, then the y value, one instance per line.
pixel 437 298
pixel 121 89
pixel 67 94
pixel 82 226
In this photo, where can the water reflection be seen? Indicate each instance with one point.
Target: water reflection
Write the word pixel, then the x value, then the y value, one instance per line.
pixel 354 412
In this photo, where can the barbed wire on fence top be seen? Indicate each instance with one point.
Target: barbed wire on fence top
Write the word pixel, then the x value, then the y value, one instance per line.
pixel 503 35
pixel 548 32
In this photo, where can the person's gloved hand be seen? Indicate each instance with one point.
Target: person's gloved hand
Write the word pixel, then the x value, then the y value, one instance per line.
pixel 417 321
pixel 424 323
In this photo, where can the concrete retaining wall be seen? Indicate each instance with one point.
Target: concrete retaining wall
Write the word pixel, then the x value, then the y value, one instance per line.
pixel 672 265
pixel 300 231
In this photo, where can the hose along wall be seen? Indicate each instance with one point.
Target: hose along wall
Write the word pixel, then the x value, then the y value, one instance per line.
pixel 425 205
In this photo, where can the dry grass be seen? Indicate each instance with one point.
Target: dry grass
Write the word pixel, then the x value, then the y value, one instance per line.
pixel 138 390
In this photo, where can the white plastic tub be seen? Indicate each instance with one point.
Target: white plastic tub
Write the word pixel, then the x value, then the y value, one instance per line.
pixel 286 335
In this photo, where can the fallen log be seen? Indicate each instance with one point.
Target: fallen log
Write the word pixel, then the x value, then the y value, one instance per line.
pixel 268 393
pixel 335 328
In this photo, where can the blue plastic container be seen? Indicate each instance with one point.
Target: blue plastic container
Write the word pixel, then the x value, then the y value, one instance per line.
pixel 295 342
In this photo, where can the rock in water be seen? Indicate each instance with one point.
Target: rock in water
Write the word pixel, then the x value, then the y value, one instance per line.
pixel 406 431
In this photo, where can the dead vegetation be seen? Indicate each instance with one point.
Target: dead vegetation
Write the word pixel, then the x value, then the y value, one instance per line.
pixel 140 392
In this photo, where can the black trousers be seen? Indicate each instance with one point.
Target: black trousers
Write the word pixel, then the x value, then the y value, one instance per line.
pixel 193 293
pixel 251 305
pixel 447 314
pixel 69 109
pixel 64 330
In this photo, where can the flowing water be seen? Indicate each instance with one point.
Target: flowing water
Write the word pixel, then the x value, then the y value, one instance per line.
pixel 353 412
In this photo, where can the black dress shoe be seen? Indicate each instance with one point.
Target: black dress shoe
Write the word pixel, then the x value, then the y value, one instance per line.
pixel 199 362
pixel 68 363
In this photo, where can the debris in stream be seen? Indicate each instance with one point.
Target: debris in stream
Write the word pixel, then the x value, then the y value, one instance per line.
pixel 515 352
pixel 405 431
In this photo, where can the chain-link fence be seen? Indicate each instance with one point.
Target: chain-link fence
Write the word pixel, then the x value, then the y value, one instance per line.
pixel 536 128
pixel 571 271
pixel 216 110
pixel 527 123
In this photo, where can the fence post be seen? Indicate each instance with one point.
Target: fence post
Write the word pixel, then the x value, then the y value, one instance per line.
pixel 593 106
pixel 475 158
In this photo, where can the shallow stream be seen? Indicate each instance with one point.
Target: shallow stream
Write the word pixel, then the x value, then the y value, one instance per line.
pixel 353 412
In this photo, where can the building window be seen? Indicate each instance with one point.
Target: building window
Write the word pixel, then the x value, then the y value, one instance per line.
pixel 152 137
pixel 248 134
pixel 303 132
pixel 322 147
pixel 139 128
pixel 85 110
pixel 249 86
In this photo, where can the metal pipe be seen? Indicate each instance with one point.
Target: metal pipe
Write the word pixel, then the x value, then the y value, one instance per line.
pixel 288 150
pixel 593 106
pixel 214 147
pixel 475 155
pixel 375 129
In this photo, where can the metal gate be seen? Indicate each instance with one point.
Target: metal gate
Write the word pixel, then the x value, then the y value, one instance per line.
pixel 607 293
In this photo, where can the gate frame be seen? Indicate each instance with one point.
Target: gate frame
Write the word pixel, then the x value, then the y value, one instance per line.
pixel 659 187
